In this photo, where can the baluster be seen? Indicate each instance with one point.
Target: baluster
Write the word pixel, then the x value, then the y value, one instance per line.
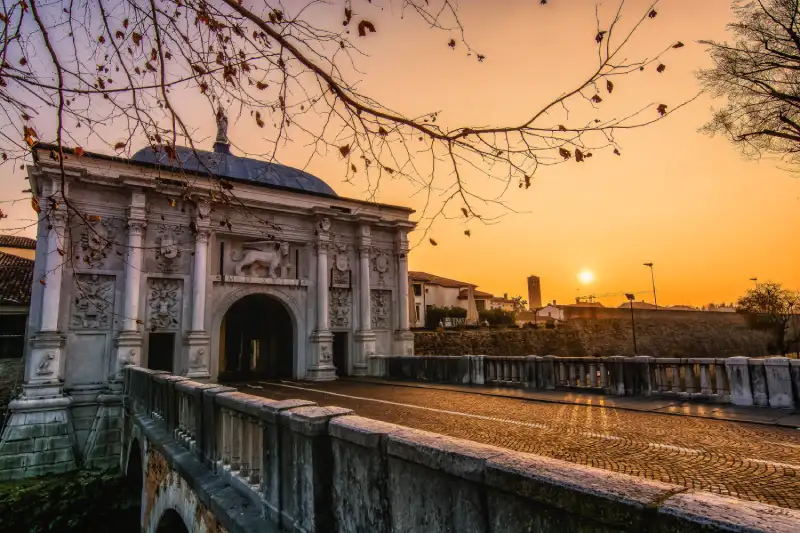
pixel 721 378
pixel 257 452
pixel 662 373
pixel 571 366
pixel 690 378
pixel 705 379
pixel 244 436
pixel 514 371
pixel 592 376
pixel 236 442
pixel 603 375
pixel 676 379
pixel 583 378
pixel 227 433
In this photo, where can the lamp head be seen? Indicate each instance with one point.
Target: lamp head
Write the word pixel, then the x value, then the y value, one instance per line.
pixel 629 296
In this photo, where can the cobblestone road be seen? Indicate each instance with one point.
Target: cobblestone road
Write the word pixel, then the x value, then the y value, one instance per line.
pixel 742 460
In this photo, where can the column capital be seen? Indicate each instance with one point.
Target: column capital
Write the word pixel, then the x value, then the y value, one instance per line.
pixel 202 235
pixel 136 226
pixel 321 247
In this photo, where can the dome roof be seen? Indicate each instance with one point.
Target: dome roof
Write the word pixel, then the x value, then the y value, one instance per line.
pixel 227 165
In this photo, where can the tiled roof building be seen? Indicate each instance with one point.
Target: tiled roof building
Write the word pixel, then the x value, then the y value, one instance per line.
pixel 16 276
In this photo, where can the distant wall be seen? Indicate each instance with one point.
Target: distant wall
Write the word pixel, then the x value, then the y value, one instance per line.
pixel 689 335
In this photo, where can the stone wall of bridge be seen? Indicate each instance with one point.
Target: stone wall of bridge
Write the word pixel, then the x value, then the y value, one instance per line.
pixel 684 335
pixel 227 461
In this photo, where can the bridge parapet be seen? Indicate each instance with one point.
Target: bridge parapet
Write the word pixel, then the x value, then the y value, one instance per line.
pixel 313 469
pixel 766 382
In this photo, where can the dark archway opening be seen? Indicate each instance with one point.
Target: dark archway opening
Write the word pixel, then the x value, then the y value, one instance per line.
pixel 130 497
pixel 171 522
pixel 256 340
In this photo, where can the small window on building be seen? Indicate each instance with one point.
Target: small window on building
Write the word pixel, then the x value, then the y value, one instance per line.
pixel 480 305
pixel 416 307
pixel 417 290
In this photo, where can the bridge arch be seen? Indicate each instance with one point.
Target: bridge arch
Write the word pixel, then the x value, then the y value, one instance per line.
pixel 171 522
pixel 282 307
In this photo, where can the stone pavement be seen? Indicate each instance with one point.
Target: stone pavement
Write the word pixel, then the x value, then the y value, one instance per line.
pixel 665 405
pixel 753 461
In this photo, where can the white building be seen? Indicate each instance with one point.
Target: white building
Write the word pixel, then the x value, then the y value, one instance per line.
pixel 153 266
pixel 430 290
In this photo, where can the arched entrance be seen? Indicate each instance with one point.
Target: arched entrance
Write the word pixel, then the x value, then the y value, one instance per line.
pixel 256 340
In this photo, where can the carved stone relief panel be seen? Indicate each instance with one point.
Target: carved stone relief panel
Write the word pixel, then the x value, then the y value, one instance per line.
pixel 93 302
pixel 380 264
pixel 381 304
pixel 164 304
pixel 98 241
pixel 262 259
pixel 168 244
pixel 340 273
pixel 339 308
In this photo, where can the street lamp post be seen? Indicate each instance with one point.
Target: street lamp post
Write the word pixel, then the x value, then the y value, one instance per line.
pixel 755 280
pixel 630 297
pixel 653 278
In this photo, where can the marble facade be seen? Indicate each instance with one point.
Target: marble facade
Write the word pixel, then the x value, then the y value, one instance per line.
pixel 147 250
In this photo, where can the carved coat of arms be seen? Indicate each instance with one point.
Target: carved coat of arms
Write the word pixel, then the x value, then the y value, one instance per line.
pixel 168 252
pixel 340 277
pixel 97 241
pixel 380 262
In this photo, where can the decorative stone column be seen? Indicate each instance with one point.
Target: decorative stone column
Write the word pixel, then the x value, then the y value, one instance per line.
pixel 320 366
pixel 129 340
pixel 403 339
pixel 38 436
pixel 365 337
pixel 197 339
pixel 45 365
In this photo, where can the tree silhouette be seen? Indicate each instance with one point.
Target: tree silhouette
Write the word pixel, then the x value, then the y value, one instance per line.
pixel 759 74
pixel 80 67
pixel 776 308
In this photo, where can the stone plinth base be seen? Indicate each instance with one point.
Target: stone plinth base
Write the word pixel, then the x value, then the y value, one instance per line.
pixel 199 344
pixel 38 439
pixel 322 354
pixel 403 343
pixel 365 347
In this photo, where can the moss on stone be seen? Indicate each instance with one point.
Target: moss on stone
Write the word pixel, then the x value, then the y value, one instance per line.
pixel 83 501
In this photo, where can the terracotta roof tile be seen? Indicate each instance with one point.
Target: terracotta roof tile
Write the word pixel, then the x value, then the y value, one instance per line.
pixel 438 280
pixel 14 241
pixel 16 277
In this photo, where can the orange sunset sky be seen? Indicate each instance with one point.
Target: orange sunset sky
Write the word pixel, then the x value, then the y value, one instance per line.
pixel 706 217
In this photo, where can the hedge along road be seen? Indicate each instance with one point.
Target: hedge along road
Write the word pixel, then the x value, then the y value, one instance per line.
pixel 737 459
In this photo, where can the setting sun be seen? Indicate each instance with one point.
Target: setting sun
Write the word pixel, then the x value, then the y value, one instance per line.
pixel 586 276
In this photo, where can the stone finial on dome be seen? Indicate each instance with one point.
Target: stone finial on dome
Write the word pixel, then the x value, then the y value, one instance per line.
pixel 222 144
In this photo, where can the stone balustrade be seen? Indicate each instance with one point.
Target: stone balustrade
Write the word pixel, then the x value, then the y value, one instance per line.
pixel 262 465
pixel 765 382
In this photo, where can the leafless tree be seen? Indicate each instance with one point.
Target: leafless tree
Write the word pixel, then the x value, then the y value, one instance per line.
pixel 84 68
pixel 774 307
pixel 759 73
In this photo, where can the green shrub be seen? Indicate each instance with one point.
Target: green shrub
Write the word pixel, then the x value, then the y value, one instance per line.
pixel 434 315
pixel 497 317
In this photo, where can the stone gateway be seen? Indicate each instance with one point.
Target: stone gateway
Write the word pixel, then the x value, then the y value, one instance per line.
pixel 202 264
